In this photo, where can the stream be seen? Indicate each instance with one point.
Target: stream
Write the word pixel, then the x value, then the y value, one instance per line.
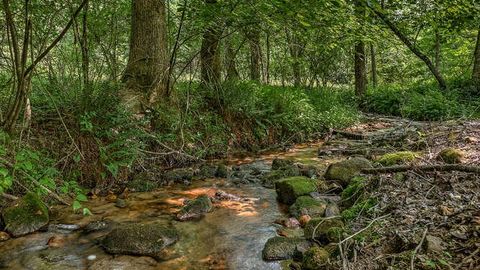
pixel 230 237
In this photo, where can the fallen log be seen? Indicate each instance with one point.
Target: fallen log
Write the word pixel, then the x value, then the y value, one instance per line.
pixel 424 168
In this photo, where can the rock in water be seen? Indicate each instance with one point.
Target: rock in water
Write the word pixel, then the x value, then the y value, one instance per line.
pixel 140 239
pixel 282 248
pixel 289 189
pixel 344 171
pixel 4 236
pixel 28 215
pixel 195 209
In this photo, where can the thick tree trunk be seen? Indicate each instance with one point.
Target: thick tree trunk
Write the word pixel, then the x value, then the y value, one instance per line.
pixel 210 57
pixel 360 57
pixel 374 65
pixel 146 74
pixel 436 73
pixel 476 58
pixel 255 55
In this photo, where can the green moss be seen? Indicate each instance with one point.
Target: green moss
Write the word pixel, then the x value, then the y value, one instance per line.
pixel 140 239
pixel 364 206
pixel 344 171
pixel 195 209
pixel 308 205
pixel 28 215
pixel 289 189
pixel 451 156
pixel 354 189
pixel 318 228
pixel 334 234
pixel 397 158
pixel 269 179
pixel 315 258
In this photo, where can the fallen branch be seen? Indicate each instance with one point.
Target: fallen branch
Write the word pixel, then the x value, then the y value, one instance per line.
pixel 8 196
pixel 414 255
pixel 425 168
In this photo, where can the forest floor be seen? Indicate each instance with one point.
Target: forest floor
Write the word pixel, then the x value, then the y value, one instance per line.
pixel 422 220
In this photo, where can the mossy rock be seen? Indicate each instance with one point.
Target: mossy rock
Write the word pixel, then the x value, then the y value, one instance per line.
pixel 315 258
pixel 362 207
pixel 195 209
pixel 323 228
pixel 342 172
pixel 306 205
pixel 397 158
pixel 282 248
pixel 289 189
pixel 451 156
pixel 179 175
pixel 280 164
pixel 269 179
pixel 354 190
pixel 222 171
pixel 140 239
pixel 207 171
pixel 28 215
pixel 140 183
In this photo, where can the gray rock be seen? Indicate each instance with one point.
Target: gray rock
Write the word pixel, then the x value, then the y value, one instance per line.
pixel 332 210
pixel 195 209
pixel 434 244
pixel 344 171
pixel 140 239
pixel 282 248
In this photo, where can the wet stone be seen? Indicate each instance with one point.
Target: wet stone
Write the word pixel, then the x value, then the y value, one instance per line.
pixel 282 248
pixel 4 236
pixel 140 239
pixel 96 226
pixel 120 203
pixel 195 209
pixel 28 215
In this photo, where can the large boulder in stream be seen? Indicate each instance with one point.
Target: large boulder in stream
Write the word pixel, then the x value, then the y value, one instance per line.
pixel 282 248
pixel 28 215
pixel 306 205
pixel 140 239
pixel 342 172
pixel 289 189
pixel 195 209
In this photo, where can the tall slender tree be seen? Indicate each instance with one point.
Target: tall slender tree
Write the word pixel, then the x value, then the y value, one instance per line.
pixel 360 56
pixel 476 59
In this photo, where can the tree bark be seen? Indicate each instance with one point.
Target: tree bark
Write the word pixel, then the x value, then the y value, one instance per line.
pixel 255 55
pixel 436 73
pixel 438 52
pixel 476 65
pixel 374 65
pixel 360 58
pixel 146 74
pixel 296 51
pixel 230 55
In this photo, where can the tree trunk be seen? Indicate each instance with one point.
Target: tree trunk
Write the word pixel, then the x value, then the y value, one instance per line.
pixel 374 66
pixel 438 52
pixel 476 65
pixel 230 55
pixel 360 57
pixel 295 53
pixel 267 68
pixel 146 74
pixel 436 73
pixel 255 55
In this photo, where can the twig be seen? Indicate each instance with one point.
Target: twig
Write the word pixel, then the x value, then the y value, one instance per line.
pixel 8 196
pixel 467 258
pixel 412 261
pixel 364 229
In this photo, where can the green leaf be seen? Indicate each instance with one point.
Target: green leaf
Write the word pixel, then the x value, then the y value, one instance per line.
pixel 76 205
pixel 86 212
pixel 81 198
pixel 77 158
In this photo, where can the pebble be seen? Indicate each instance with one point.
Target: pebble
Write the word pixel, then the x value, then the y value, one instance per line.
pixel 120 203
pixel 4 236
pixel 92 257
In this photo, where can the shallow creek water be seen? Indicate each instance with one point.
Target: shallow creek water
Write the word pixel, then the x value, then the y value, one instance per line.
pixel 230 237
